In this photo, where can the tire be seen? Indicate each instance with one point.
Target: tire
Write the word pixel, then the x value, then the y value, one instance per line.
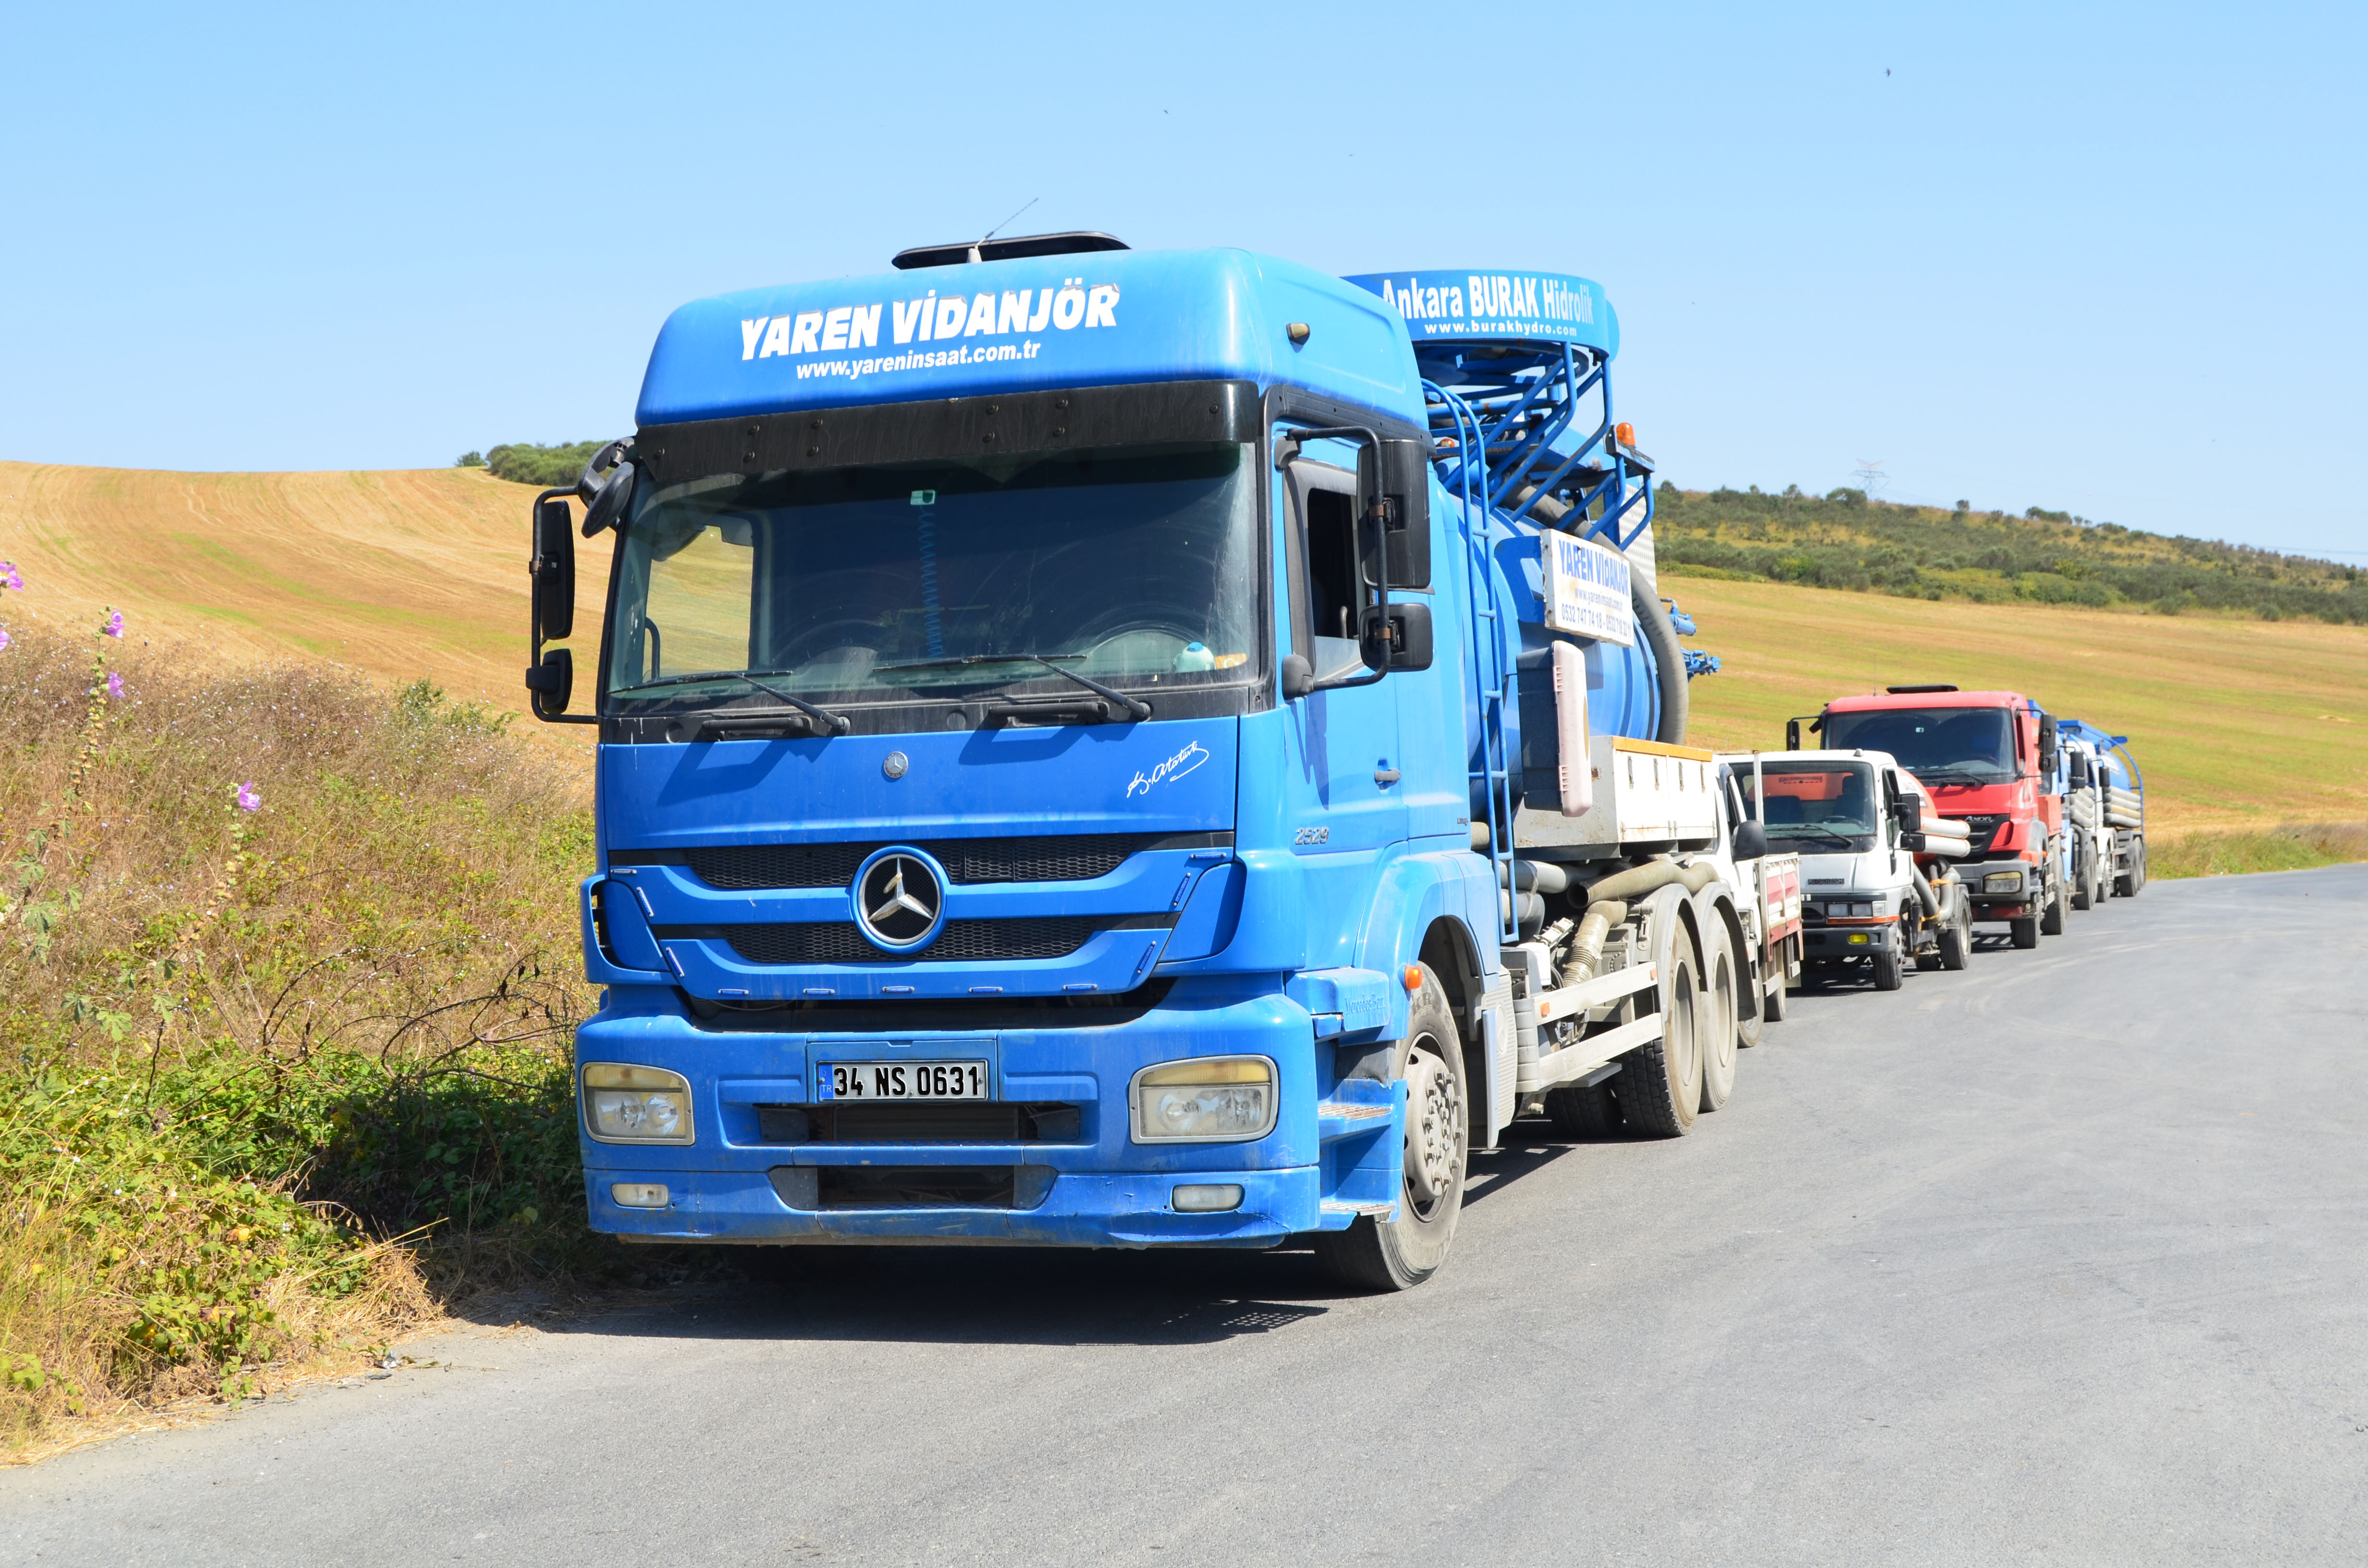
pixel 2051 917
pixel 1749 1020
pixel 1716 1023
pixel 1888 968
pixel 1956 941
pixel 2138 877
pixel 1583 1115
pixel 1404 1252
pixel 1660 1084
pixel 2023 933
pixel 2080 895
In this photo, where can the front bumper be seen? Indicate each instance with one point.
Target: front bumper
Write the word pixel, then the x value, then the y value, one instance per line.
pixel 1848 941
pixel 1335 1152
pixel 2030 891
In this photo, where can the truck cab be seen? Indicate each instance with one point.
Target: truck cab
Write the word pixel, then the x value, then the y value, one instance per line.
pixel 1990 759
pixel 1855 819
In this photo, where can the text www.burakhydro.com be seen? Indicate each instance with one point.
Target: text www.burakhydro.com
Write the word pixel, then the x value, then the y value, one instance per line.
pixel 926 360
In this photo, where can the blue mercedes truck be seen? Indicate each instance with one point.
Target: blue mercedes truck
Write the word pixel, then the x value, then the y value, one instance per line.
pixel 1116 748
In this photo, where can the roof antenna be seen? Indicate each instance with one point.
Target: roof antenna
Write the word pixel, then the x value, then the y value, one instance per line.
pixel 974 255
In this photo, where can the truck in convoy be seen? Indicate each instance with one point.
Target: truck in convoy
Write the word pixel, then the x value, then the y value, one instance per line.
pixel 2104 800
pixel 1876 887
pixel 1990 760
pixel 1119 748
pixel 1768 882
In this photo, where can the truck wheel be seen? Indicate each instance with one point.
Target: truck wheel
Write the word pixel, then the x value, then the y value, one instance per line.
pixel 1775 1000
pixel 2024 932
pixel 2136 878
pixel 1748 1015
pixel 1407 1250
pixel 1716 1023
pixel 1956 941
pixel 2051 917
pixel 1583 1115
pixel 1660 1084
pixel 2081 893
pixel 1888 968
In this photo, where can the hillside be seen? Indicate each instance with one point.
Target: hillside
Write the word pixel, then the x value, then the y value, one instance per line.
pixel 2239 721
pixel 399 575
pixel 1841 540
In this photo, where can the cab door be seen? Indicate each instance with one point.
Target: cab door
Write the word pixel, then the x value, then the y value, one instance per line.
pixel 1343 799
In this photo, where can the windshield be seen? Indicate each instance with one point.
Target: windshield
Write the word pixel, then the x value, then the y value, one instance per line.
pixel 1129 565
pixel 1973 743
pixel 1815 803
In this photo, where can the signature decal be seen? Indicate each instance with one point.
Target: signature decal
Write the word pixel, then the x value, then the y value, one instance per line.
pixel 1167 772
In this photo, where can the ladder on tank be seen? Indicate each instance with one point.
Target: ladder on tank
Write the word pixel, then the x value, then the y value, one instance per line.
pixel 1490 769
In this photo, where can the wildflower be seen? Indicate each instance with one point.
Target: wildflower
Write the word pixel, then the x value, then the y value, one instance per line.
pixel 4 637
pixel 248 800
pixel 114 683
pixel 9 577
pixel 114 627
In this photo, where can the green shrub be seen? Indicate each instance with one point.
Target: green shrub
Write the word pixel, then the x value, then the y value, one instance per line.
pixel 526 463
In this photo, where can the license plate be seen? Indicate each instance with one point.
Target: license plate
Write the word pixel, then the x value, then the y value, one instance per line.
pixel 903 1081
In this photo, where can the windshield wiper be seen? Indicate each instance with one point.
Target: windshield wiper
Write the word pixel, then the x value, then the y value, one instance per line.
pixel 1133 705
pixel 837 723
pixel 1797 831
pixel 1952 776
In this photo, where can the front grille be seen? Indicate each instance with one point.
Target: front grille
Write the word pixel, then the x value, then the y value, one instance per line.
pixel 1980 830
pixel 967 1122
pixel 807 942
pixel 1070 858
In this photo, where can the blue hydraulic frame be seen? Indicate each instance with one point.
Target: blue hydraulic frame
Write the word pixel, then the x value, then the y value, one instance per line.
pixel 1522 400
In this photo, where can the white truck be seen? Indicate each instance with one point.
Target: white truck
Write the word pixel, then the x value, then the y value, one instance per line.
pixel 1655 935
pixel 1877 886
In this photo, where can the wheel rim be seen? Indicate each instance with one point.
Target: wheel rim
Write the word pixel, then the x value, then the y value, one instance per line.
pixel 1684 1047
pixel 1434 1117
pixel 1723 999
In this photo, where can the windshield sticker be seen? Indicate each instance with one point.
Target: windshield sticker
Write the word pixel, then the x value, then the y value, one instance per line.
pixel 929 318
pixel 1167 772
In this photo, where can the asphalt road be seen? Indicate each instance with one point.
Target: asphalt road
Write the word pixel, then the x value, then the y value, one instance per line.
pixel 2062 1259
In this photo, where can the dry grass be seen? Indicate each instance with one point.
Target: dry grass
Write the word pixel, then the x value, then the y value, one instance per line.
pixel 247 1051
pixel 396 574
pixel 2238 724
pixel 2292 847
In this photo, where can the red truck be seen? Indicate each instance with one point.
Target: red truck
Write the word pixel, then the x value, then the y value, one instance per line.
pixel 1989 759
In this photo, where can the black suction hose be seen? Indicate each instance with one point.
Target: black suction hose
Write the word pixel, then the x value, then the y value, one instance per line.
pixel 1669 659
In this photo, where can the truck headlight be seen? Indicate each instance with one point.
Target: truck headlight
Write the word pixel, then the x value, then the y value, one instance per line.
pixel 1213 1099
pixel 2002 881
pixel 636 1105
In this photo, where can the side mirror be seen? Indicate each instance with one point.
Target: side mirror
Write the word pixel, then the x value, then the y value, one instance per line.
pixel 2047 745
pixel 550 613
pixel 1751 840
pixel 1912 841
pixel 1908 813
pixel 550 683
pixel 2080 776
pixel 554 571
pixel 1792 734
pixel 1298 676
pixel 1403 490
pixel 609 502
pixel 1397 637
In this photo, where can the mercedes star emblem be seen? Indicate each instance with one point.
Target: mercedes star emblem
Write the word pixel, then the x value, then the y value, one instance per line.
pixel 899 897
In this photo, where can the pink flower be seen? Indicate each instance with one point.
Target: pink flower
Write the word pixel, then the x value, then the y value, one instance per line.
pixel 4 637
pixel 248 800
pixel 114 627
pixel 114 683
pixel 8 577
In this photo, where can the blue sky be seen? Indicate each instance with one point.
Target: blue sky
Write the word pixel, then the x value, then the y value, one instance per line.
pixel 2105 259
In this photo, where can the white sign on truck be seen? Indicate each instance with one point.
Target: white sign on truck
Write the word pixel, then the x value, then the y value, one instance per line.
pixel 1587 589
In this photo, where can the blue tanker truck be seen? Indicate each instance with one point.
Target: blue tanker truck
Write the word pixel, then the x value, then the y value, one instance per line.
pixel 1120 748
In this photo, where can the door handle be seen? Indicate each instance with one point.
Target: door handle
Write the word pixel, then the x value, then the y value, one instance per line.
pixel 1385 777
